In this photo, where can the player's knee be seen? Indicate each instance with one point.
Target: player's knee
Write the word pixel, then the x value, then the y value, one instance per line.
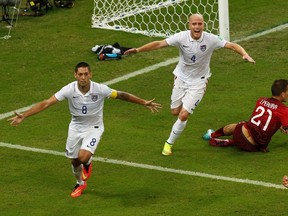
pixel 183 118
pixel 175 112
pixel 84 156
pixel 75 162
pixel 229 129
pixel 83 159
pixel 183 115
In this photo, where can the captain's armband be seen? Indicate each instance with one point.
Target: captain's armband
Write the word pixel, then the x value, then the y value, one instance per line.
pixel 114 94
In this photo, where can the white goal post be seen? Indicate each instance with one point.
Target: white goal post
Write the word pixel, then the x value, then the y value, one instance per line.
pixel 9 16
pixel 160 18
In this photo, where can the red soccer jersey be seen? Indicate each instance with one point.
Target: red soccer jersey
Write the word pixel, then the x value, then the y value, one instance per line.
pixel 268 116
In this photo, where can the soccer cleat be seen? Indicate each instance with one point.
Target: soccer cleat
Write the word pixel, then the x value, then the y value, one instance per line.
pixel 167 150
pixel 207 135
pixel 86 171
pixel 78 189
pixel 220 142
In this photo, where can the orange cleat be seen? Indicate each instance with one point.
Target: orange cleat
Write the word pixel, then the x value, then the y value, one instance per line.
pixel 78 189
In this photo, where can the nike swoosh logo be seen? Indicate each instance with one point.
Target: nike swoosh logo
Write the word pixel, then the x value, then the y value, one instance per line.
pixel 83 176
pixel 185 46
pixel 76 96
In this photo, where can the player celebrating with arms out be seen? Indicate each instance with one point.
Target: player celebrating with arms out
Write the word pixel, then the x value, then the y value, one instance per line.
pixel 86 101
pixel 192 71
pixel 268 116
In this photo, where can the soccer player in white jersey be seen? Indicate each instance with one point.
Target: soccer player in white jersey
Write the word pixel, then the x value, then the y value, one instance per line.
pixel 192 71
pixel 86 101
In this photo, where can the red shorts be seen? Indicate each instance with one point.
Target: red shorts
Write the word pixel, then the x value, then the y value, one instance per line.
pixel 240 140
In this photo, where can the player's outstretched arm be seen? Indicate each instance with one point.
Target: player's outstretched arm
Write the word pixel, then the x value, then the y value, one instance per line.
pixel 147 47
pixel 18 118
pixel 150 104
pixel 130 51
pixel 154 107
pixel 240 50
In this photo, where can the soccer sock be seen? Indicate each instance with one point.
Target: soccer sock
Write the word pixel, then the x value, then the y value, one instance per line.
pixel 218 133
pixel 77 171
pixel 89 161
pixel 176 131
pixel 231 143
pixel 86 166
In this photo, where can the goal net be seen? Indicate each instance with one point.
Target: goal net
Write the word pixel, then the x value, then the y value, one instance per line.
pixel 160 18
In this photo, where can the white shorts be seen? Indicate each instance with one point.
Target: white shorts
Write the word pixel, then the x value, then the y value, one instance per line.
pixel 87 140
pixel 187 96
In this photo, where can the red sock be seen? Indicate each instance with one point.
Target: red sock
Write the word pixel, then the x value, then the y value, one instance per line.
pixel 218 133
pixel 231 142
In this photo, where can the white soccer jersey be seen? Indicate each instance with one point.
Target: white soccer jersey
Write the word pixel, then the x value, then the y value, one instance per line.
pixel 195 55
pixel 86 110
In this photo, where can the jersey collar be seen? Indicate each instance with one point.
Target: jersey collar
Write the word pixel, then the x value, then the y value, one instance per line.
pixel 199 40
pixel 79 92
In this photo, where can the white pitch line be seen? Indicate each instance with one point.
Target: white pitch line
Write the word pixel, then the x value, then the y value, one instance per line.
pixel 8 114
pixel 150 167
pixel 275 29
pixel 142 71
pixel 156 66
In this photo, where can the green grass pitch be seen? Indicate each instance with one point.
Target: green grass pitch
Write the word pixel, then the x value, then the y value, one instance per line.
pixel 39 59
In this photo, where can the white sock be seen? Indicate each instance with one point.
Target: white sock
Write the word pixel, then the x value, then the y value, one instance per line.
pixel 89 161
pixel 77 171
pixel 176 131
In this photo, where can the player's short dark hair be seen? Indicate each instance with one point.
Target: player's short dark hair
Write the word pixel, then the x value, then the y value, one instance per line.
pixel 82 64
pixel 279 86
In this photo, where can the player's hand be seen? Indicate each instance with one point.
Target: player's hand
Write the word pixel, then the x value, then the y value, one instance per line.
pixel 17 119
pixel 248 58
pixel 282 130
pixel 285 181
pixel 154 107
pixel 130 51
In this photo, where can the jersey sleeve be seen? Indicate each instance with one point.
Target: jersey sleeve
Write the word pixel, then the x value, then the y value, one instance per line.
pixel 62 93
pixel 105 90
pixel 173 40
pixel 218 41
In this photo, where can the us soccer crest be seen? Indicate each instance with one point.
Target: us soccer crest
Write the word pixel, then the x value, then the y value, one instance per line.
pixel 94 97
pixel 203 48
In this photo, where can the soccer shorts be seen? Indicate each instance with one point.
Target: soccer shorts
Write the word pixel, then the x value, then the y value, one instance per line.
pixel 240 140
pixel 187 96
pixel 87 140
